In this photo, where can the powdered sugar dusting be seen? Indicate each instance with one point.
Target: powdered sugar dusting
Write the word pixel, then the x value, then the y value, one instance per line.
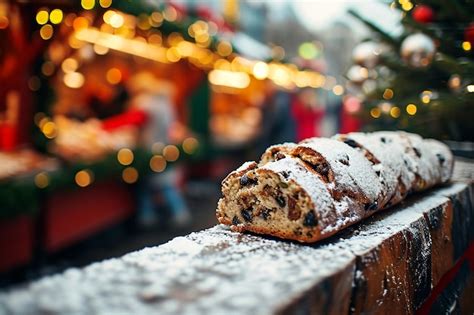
pixel 309 181
pixel 211 272
pixel 358 175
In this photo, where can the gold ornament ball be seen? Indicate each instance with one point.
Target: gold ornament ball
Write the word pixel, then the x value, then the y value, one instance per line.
pixel 418 50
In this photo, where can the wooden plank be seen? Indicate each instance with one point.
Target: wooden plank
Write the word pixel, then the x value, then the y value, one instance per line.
pixel 387 264
pixel 408 249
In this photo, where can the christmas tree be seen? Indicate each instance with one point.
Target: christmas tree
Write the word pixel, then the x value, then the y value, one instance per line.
pixel 423 80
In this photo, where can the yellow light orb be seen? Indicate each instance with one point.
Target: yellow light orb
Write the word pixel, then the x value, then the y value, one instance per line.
pixel 80 23
pixel 171 153
pixel 56 16
pixel 338 90
pixel 466 46
pixel 116 20
pixel 130 175
pixel 170 14
pixel 49 130
pixel 224 49
pixel 87 4
pixel 173 54
pixel 42 17
pixel 190 145
pixel 157 18
pixel 157 163
pixel 260 70
pixel 395 112
pixel 69 65
pixel 105 3
pixel 411 109
pixel 84 178
pixel 73 80
pixel 42 180
pixel 125 156
pixel 114 76
pixel 375 112
pixel 388 94
pixel 46 31
pixel 100 50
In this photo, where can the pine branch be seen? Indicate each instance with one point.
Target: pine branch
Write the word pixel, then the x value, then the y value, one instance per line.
pixel 384 35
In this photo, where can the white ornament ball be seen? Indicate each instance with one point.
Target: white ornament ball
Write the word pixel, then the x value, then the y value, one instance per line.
pixel 366 54
pixel 357 74
pixel 418 50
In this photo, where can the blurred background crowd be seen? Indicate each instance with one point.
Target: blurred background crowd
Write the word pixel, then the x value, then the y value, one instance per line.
pixel 119 119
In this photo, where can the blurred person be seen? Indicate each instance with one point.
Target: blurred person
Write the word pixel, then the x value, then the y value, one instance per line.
pixel 308 114
pixel 278 124
pixel 153 97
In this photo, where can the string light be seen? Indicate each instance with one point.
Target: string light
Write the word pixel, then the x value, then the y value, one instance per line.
pixel 171 153
pixel 470 88
pixel 170 14
pixel 56 16
pixel 49 130
pixel 125 156
pixel 260 70
pixel 284 75
pixel 426 96
pixel 46 31
pixel 157 163
pixel 466 46
pixel 238 80
pixel 338 90
pixel 190 145
pixel 411 109
pixel 69 65
pixel 130 175
pixel 395 112
pixel 116 20
pixel 375 112
pixel 42 17
pixel 87 4
pixel 388 94
pixel 42 180
pixel 105 3
pixel 224 48
pixel 113 76
pixel 84 178
pixel 73 80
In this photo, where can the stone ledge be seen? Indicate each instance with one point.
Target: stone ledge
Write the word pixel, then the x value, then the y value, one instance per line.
pixel 386 264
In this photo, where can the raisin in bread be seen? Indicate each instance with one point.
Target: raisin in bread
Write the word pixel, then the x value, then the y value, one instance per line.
pixel 311 190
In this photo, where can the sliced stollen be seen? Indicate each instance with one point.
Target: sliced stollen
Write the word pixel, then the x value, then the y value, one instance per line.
pixel 347 170
pixel 283 199
pixel 311 190
pixel 386 157
pixel 276 152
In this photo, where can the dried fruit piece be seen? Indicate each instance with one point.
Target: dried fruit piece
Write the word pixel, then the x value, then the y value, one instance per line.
pixel 294 212
pixel 310 219
pixel 247 214
pixel 280 200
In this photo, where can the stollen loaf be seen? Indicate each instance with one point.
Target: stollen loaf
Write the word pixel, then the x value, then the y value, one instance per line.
pixel 311 190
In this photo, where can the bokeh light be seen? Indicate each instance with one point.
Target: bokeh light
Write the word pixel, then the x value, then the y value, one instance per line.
pixel 125 156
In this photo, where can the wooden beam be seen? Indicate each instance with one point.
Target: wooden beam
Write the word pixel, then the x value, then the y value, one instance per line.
pixel 387 264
